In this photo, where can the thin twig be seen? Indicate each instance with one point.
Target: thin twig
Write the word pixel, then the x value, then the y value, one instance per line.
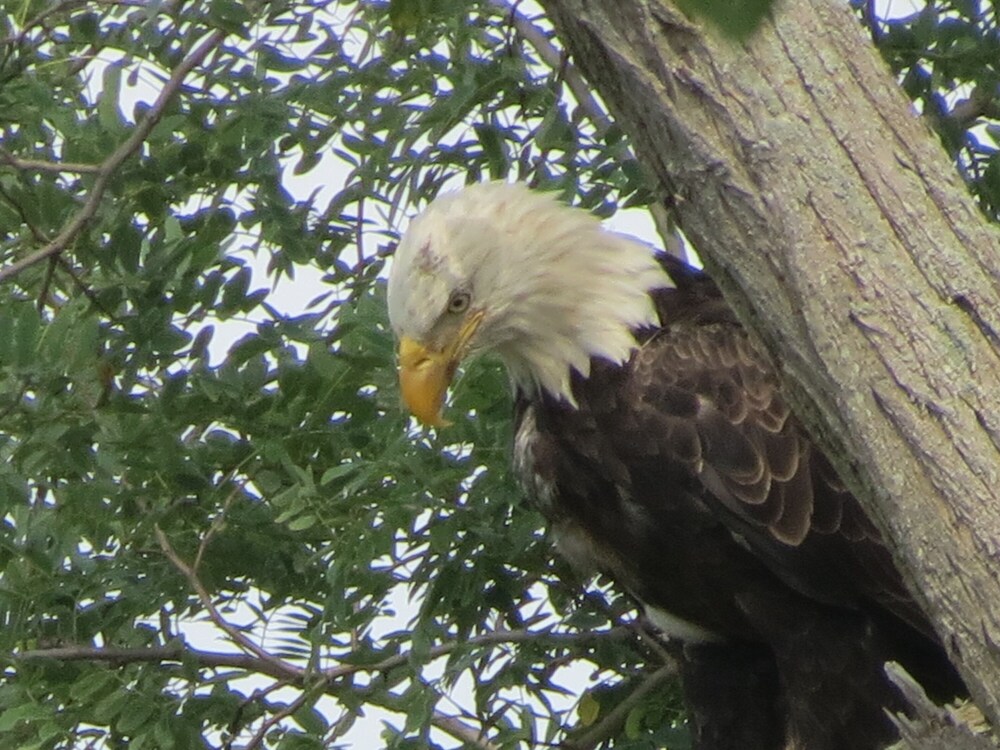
pixel 35 165
pixel 109 167
pixel 36 232
pixel 258 739
pixel 648 635
pixel 556 59
pixel 38 20
pixel 260 696
pixel 486 639
pixel 234 633
pixel 84 289
pixel 610 724
pixel 43 295
pixel 69 5
pixel 217 522
pixel 172 652
pixel 450 724
pixel 359 234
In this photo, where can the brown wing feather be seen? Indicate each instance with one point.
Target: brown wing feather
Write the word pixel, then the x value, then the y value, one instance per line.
pixel 685 477
pixel 761 473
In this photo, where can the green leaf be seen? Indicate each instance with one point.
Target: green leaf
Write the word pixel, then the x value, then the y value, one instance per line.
pixel 588 709
pixel 27 333
pixel 26 712
pixel 405 15
pixel 231 16
pixel 311 720
pixel 735 18
pixel 338 472
pixel 108 111
pixel 302 523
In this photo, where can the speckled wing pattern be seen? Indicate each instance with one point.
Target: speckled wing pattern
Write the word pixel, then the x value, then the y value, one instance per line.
pixel 715 406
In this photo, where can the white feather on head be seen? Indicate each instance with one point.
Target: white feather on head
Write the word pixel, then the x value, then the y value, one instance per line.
pixel 557 288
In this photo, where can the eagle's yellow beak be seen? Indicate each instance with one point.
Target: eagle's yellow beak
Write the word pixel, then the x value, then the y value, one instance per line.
pixel 425 373
pixel 424 377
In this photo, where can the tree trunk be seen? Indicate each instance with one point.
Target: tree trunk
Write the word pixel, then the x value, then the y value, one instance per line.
pixel 839 229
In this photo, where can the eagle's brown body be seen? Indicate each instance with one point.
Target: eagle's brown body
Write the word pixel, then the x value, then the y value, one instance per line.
pixel 683 475
pixel 656 440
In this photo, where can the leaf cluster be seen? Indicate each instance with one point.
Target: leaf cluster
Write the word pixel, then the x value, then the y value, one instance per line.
pixel 947 56
pixel 217 528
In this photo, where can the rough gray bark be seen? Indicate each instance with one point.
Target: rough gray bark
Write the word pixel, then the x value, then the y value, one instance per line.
pixel 841 232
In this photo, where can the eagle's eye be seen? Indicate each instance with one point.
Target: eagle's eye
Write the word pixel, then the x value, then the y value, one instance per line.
pixel 459 302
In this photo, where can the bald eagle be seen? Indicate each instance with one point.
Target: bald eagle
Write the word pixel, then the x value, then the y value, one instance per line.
pixel 653 436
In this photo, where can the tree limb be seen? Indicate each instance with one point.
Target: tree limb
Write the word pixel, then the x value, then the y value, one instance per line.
pixel 485 639
pixel 109 167
pixel 258 739
pixel 175 652
pixel 850 247
pixel 461 731
pixel 234 633
pixel 270 666
pixel 35 165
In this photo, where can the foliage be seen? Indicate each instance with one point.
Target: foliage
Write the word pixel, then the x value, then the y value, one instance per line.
pixel 162 490
pixel 217 528
pixel 948 58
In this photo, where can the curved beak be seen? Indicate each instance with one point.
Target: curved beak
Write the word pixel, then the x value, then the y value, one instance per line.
pixel 424 377
pixel 425 372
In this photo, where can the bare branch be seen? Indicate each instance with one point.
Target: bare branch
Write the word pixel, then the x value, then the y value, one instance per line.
pixel 35 165
pixel 234 633
pixel 110 166
pixel 981 103
pixel 461 731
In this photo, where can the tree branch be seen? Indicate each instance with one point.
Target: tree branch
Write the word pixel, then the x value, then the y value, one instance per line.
pixel 557 60
pixel 205 598
pixel 611 723
pixel 109 167
pixel 451 725
pixel 174 652
pixel 258 739
pixel 486 639
pixel 35 165
pixel 461 731
pixel 270 666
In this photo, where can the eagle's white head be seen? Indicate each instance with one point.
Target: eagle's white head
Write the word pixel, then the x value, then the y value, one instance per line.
pixel 500 267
